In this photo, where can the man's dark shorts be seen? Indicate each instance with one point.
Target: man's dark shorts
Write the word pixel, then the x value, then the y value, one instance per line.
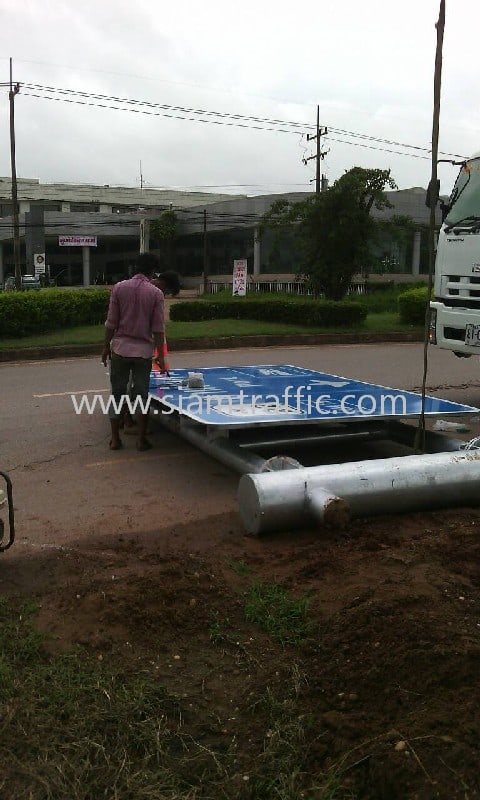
pixel 120 370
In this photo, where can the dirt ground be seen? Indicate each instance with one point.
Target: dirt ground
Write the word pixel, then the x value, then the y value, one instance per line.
pixel 385 688
pixel 142 560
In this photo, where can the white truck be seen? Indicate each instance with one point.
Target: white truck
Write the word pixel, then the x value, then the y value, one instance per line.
pixel 455 309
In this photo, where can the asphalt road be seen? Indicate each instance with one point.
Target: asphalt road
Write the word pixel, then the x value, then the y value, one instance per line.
pixel 68 484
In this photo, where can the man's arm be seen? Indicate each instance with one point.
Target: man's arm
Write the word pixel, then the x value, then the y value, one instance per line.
pixel 158 340
pixel 110 326
pixel 106 352
pixel 158 328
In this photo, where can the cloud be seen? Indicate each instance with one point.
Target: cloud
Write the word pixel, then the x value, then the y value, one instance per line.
pixel 368 65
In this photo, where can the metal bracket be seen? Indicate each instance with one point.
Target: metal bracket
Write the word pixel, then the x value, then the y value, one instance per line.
pixel 11 516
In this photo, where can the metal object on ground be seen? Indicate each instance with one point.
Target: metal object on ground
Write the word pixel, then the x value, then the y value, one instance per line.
pixel 277 463
pixel 241 412
pixel 11 517
pixel 195 381
pixel 296 498
pixel 250 396
pixel 326 508
pixel 220 448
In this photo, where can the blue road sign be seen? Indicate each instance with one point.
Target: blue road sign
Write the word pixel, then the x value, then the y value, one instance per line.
pixel 274 394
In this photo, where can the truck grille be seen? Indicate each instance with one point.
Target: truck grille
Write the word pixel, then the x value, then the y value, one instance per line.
pixel 463 288
pixel 459 302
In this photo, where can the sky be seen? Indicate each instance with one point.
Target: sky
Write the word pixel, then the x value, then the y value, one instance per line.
pixel 367 65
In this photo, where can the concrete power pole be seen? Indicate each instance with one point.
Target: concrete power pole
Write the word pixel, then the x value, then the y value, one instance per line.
pixel 319 155
pixel 205 253
pixel 144 235
pixel 13 91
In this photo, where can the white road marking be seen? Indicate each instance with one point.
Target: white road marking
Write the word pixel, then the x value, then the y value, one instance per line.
pixel 149 457
pixel 36 362
pixel 67 394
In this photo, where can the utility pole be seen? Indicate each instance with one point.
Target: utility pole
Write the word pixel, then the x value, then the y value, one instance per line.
pixel 318 155
pixel 433 200
pixel 205 252
pixel 13 91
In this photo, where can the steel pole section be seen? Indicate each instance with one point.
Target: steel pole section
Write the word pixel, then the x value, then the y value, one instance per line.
pixel 224 451
pixel 293 498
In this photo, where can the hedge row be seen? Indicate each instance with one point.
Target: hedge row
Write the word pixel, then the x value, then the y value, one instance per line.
pixel 378 286
pixel 318 313
pixel 31 312
pixel 412 305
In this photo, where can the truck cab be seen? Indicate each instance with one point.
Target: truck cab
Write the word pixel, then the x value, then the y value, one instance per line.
pixel 455 308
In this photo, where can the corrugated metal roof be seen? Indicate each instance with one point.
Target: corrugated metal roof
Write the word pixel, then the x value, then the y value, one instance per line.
pixel 32 189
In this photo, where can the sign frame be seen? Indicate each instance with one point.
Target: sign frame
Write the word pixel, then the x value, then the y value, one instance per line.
pixel 235 397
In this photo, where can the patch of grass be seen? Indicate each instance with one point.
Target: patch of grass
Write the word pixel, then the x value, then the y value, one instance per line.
pixel 384 300
pixel 388 322
pixel 240 567
pixel 280 771
pixel 231 327
pixel 77 728
pixel 284 617
pixel 385 322
pixel 83 334
pixel 221 632
pixel 217 632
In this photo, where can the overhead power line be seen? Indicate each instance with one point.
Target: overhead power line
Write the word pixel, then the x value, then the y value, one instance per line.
pixel 372 147
pixel 109 103
pixel 149 108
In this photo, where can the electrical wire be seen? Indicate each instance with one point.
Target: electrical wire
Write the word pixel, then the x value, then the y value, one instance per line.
pixel 81 97
pixel 161 114
pixel 372 147
pixel 217 89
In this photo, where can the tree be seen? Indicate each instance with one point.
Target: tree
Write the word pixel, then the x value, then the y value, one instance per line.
pixel 335 229
pixel 164 230
pixel 393 237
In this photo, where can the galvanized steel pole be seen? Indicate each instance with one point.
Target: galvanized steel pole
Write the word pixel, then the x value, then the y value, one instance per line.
pixel 294 498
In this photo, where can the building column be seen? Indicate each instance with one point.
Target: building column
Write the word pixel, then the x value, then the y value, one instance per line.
pixel 417 239
pixel 86 265
pixel 2 274
pixel 257 253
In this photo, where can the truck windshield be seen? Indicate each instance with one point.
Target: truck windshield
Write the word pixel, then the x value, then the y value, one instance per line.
pixel 465 198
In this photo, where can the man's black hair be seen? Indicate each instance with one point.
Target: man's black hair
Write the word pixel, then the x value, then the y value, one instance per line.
pixel 146 264
pixel 171 279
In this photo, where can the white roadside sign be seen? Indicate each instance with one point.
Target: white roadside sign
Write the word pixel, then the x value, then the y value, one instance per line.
pixel 39 263
pixel 239 286
pixel 77 241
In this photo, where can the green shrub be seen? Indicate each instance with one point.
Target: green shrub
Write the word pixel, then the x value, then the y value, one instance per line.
pixel 27 313
pixel 383 298
pixel 378 286
pixel 312 313
pixel 225 295
pixel 379 302
pixel 412 305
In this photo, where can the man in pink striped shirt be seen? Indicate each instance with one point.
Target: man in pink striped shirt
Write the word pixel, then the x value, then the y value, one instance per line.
pixel 134 326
